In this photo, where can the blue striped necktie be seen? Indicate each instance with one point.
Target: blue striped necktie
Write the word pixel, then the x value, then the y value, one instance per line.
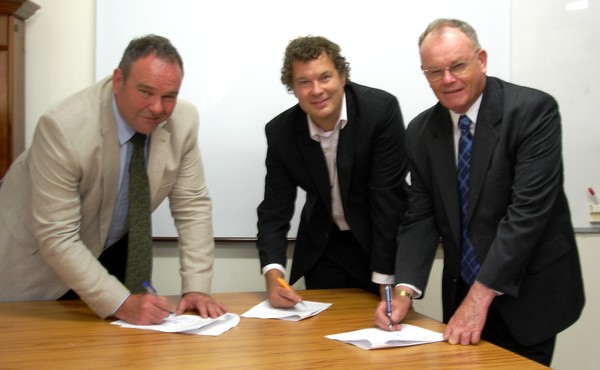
pixel 469 267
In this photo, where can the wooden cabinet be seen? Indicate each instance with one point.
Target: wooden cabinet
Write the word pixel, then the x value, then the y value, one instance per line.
pixel 13 14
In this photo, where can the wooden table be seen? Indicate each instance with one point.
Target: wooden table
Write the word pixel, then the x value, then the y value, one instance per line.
pixel 68 335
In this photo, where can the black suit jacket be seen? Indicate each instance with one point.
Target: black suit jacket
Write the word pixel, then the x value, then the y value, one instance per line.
pixel 518 217
pixel 371 165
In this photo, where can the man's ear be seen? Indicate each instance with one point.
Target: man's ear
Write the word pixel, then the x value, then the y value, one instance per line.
pixel 117 80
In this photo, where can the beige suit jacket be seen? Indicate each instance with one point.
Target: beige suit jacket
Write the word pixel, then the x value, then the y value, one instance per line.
pixel 57 201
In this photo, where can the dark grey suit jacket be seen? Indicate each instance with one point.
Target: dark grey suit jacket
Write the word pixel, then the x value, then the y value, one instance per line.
pixel 371 164
pixel 518 217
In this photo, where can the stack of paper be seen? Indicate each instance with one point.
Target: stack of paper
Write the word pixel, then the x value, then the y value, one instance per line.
pixel 189 324
pixel 264 310
pixel 375 338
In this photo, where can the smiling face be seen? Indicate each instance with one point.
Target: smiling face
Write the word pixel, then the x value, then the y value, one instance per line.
pixel 319 88
pixel 149 94
pixel 449 47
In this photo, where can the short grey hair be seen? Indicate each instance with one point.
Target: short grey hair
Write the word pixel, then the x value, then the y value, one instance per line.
pixel 439 24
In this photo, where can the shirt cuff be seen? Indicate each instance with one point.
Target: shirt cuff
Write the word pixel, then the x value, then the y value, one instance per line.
pixel 271 266
pixel 120 304
pixel 418 292
pixel 495 291
pixel 378 278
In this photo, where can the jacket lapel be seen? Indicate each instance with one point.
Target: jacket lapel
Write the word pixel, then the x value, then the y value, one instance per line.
pixel 346 144
pixel 313 157
pixel 441 148
pixel 110 156
pixel 484 142
pixel 156 161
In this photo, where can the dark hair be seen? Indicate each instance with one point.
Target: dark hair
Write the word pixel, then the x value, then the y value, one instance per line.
pixel 147 45
pixel 439 24
pixel 309 48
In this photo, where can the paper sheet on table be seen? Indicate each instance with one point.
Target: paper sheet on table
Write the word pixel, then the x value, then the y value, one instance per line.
pixel 264 310
pixel 375 338
pixel 189 324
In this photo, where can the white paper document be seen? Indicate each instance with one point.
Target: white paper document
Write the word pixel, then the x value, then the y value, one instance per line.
pixel 264 310
pixel 375 338
pixel 189 324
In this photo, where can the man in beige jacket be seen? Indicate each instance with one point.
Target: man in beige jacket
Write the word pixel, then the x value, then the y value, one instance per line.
pixel 61 229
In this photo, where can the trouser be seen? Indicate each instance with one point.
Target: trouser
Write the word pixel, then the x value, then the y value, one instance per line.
pixel 343 264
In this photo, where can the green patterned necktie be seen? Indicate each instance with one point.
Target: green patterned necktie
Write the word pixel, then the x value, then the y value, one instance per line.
pixel 139 253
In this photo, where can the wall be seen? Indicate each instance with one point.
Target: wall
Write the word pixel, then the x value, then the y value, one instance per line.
pixel 60 60
pixel 60 57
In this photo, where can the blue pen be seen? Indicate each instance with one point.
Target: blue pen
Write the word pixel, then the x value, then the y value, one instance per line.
pixel 149 288
pixel 388 304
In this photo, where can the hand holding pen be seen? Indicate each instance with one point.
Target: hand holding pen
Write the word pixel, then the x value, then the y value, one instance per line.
pixel 287 287
pixel 151 290
pixel 393 309
pixel 144 309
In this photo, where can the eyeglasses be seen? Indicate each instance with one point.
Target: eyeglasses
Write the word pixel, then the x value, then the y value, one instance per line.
pixel 456 69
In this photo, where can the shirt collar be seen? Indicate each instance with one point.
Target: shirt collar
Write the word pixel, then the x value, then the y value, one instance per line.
pixel 124 131
pixel 471 112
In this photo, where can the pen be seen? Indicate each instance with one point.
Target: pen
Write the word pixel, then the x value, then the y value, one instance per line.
pixel 287 286
pixel 388 304
pixel 149 288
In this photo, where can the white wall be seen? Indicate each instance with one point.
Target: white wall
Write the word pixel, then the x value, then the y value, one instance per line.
pixel 60 54
pixel 60 60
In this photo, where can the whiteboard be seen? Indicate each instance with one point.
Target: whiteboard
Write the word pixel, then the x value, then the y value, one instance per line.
pixel 557 51
pixel 232 52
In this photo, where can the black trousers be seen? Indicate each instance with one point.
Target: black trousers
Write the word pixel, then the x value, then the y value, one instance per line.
pixel 114 259
pixel 496 331
pixel 343 264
